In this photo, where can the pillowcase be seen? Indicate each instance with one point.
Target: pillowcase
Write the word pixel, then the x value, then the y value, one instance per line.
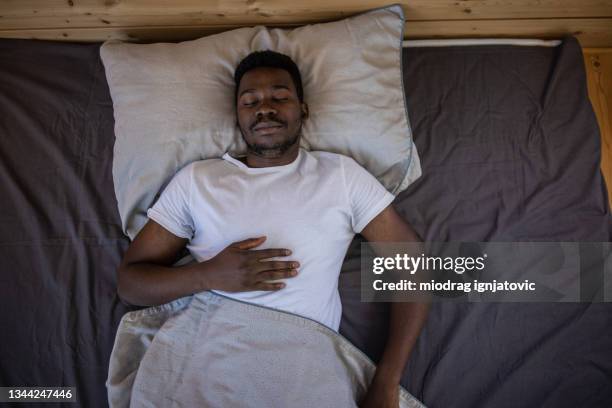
pixel 174 102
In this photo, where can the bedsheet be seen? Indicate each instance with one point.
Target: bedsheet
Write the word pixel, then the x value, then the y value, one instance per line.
pixel 510 151
pixel 214 351
pixel 60 238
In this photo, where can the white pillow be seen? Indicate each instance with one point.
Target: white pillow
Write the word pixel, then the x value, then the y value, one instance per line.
pixel 174 102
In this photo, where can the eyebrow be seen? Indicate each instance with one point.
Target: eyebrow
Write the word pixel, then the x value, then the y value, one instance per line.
pixel 273 87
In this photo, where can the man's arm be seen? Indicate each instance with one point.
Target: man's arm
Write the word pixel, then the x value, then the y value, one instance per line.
pixel 406 318
pixel 146 276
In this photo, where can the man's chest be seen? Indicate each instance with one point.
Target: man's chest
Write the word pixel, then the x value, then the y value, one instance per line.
pixel 289 214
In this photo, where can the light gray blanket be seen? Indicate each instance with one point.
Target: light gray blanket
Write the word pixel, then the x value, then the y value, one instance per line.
pixel 208 350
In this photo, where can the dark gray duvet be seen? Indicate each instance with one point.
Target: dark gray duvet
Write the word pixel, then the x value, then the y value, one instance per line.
pixel 510 151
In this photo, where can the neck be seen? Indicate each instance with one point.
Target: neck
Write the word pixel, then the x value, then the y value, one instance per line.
pixel 282 159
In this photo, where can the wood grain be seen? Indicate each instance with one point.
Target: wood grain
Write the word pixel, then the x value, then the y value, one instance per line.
pixel 598 64
pixel 297 11
pixel 590 32
pixel 154 20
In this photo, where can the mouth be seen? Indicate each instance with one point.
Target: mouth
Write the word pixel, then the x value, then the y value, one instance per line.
pixel 267 127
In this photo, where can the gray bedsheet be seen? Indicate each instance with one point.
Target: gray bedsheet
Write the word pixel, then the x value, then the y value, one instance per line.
pixel 60 235
pixel 510 151
pixel 209 350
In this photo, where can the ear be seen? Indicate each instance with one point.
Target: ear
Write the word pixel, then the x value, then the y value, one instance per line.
pixel 305 112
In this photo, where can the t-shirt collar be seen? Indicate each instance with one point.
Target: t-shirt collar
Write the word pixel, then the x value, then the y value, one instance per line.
pixel 272 169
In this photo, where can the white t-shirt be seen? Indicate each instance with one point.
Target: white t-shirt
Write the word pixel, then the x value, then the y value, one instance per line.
pixel 313 206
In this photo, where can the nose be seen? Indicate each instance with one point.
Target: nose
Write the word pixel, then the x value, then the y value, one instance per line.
pixel 265 109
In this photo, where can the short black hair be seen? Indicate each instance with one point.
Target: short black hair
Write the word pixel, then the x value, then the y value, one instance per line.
pixel 270 59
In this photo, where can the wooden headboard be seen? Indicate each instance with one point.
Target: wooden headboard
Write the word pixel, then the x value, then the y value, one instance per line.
pixel 167 20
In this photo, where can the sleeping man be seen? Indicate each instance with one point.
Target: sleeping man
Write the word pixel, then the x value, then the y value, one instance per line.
pixel 272 228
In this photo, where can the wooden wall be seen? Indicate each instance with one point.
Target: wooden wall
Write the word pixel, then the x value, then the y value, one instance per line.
pixel 598 65
pixel 96 20
pixel 166 20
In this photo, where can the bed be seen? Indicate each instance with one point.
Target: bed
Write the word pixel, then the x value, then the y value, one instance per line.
pixel 510 151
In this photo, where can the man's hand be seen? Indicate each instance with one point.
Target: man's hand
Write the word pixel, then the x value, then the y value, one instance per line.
pixel 146 277
pixel 238 268
pixel 381 394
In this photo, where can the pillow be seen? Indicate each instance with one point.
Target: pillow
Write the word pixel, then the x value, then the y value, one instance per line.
pixel 174 102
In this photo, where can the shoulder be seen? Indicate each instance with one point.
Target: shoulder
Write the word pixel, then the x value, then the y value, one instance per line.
pixel 185 174
pixel 322 164
pixel 330 159
pixel 206 165
pixel 345 166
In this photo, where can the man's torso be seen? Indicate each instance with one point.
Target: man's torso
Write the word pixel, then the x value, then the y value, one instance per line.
pixel 302 206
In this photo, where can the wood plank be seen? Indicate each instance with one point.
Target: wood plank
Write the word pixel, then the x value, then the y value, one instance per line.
pixel 29 14
pixel 132 34
pixel 590 32
pixel 595 32
pixel 598 65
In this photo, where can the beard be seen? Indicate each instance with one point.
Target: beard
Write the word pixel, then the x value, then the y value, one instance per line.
pixel 275 150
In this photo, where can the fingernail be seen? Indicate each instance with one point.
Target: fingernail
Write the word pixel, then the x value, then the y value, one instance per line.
pixel 287 252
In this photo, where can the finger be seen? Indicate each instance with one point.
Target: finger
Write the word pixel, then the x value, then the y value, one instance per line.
pixel 261 266
pixel 268 286
pixel 269 253
pixel 248 243
pixel 274 275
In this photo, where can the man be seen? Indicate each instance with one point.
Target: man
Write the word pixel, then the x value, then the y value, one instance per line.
pixel 303 207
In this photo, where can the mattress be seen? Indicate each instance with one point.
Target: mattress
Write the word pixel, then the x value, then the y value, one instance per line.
pixel 510 151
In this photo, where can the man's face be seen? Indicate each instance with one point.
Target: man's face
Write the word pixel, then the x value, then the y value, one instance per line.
pixel 269 111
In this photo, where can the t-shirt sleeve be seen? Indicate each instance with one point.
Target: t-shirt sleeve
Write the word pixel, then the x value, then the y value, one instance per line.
pixel 367 197
pixel 172 208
